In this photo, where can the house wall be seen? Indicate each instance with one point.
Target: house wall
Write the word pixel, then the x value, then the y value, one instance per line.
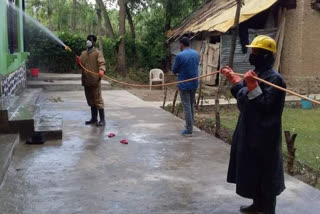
pixel 13 83
pixel 12 66
pixel 300 62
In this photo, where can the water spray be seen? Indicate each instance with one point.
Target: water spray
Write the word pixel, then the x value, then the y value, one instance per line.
pixel 37 23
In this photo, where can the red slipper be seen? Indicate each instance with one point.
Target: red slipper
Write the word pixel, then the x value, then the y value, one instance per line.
pixel 124 141
pixel 111 135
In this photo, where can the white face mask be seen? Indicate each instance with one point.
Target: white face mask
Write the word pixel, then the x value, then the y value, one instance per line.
pixel 89 44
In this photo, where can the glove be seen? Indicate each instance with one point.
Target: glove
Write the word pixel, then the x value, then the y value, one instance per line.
pixel 229 74
pixel 78 60
pixel 101 73
pixel 251 82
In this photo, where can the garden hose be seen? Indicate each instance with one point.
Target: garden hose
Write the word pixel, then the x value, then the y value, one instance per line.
pixel 196 78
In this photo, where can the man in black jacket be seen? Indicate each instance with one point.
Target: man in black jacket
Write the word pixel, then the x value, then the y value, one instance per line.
pixel 256 153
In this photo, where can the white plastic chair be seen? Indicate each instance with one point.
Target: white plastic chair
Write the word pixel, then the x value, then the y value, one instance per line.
pixel 156 75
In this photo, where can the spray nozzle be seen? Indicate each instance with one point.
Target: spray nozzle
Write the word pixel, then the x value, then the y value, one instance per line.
pixel 68 48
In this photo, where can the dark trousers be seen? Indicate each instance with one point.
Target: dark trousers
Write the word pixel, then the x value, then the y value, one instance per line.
pixel 187 100
pixel 266 202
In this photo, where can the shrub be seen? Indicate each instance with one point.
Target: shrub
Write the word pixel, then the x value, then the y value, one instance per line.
pixel 49 55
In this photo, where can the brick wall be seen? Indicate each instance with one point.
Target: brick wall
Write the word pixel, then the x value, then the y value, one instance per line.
pixel 300 63
pixel 13 83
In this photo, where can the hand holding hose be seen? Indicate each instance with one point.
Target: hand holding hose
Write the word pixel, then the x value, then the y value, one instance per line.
pixel 250 80
pixel 78 60
pixel 101 73
pixel 230 75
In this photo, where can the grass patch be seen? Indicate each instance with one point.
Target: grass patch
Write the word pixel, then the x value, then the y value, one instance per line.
pixel 306 123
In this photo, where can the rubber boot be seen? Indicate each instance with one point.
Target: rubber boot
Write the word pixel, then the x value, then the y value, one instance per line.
pixel 255 208
pixel 102 121
pixel 94 115
pixel 269 205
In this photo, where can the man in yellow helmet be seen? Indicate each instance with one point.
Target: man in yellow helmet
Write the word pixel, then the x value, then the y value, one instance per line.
pixel 256 154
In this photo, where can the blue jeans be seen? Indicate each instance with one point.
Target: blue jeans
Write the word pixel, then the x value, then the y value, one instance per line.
pixel 187 100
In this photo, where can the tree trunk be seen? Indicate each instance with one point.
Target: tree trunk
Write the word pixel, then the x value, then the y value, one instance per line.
pixel 167 27
pixel 231 59
pixel 73 16
pixel 100 29
pixel 49 11
pixel 168 15
pixel 235 33
pixel 130 20
pixel 133 31
pixel 121 63
pixel 107 21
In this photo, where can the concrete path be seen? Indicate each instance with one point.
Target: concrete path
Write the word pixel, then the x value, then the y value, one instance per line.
pixel 56 76
pixel 61 82
pixel 158 172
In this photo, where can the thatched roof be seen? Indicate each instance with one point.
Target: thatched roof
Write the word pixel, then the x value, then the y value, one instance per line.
pixel 218 15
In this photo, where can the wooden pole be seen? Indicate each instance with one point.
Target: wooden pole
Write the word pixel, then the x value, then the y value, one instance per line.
pixel 291 151
pixel 203 51
pixel 174 101
pixel 280 41
pixel 165 97
pixel 199 95
pixel 231 60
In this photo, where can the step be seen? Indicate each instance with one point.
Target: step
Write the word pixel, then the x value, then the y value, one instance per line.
pixel 7 145
pixel 63 85
pixel 55 76
pixel 5 104
pixel 23 120
pixel 27 97
pixel 50 126
pixel 10 105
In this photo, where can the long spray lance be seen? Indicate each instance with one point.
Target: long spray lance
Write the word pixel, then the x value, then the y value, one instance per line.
pixel 67 48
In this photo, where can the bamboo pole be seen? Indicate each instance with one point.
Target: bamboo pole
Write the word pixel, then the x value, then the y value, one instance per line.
pixel 283 89
pixel 165 97
pixel 174 101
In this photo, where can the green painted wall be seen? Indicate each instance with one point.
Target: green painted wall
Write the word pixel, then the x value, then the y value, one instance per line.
pixel 10 62
pixel 3 37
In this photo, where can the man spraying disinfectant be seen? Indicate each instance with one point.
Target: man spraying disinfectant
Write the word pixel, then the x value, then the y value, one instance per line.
pixel 93 59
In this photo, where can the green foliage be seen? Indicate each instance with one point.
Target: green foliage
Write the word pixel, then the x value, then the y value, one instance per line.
pixel 139 75
pixel 149 49
pixel 56 14
pixel 151 45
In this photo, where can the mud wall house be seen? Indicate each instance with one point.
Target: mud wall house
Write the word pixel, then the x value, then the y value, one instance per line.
pixel 12 55
pixel 292 23
pixel 300 60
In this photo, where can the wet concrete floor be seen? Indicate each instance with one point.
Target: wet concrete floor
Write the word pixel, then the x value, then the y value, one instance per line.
pixel 159 171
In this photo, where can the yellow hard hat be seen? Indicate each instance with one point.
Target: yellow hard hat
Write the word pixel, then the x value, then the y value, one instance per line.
pixel 264 42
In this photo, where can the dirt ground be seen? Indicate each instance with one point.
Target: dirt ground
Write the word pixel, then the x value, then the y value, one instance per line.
pixel 157 94
pixel 154 95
